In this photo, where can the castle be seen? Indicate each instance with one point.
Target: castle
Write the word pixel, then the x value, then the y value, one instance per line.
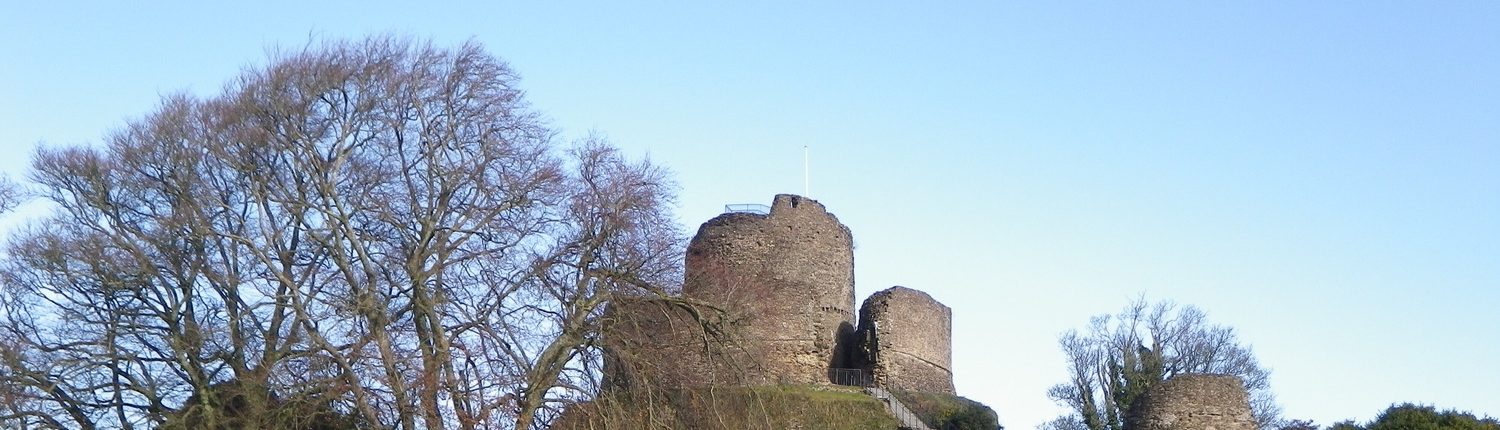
pixel 780 284
pixel 768 298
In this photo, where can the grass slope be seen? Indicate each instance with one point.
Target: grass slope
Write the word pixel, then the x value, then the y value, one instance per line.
pixel 767 407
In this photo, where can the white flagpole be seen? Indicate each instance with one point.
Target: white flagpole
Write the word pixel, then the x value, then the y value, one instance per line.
pixel 806 174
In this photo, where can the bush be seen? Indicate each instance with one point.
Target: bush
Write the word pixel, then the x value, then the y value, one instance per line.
pixel 949 412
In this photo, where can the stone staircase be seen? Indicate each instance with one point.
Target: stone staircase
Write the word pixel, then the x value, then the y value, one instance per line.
pixel 906 417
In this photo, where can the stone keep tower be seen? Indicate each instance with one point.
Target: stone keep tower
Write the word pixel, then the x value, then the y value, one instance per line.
pixel 1193 402
pixel 789 276
pixel 905 339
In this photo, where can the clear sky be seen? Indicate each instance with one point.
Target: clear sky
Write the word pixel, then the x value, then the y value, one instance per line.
pixel 1322 176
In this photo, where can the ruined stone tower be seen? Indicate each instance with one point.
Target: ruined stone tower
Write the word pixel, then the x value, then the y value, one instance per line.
pixel 788 275
pixel 905 340
pixel 1193 402
pixel 769 299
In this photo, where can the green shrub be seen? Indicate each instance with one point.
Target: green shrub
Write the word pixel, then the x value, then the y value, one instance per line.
pixel 949 412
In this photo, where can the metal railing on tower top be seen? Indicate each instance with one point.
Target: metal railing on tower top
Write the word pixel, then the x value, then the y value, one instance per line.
pixel 749 208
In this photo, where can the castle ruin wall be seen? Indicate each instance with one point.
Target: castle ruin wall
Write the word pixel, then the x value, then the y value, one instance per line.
pixel 1193 402
pixel 906 340
pixel 787 279
pixel 653 342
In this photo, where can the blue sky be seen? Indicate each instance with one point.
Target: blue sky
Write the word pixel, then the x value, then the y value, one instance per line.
pixel 1323 177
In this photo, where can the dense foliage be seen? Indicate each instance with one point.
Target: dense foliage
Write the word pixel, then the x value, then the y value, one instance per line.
pixel 1410 416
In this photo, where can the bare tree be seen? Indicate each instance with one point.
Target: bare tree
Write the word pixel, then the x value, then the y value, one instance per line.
pixel 381 233
pixel 1120 356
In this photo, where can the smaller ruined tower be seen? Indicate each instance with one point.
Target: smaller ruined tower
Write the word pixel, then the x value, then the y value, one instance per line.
pixel 1193 402
pixel 905 340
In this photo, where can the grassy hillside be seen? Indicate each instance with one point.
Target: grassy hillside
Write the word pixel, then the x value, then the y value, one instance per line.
pixel 768 407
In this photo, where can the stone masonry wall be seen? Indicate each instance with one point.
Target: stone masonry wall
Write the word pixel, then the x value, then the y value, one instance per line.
pixel 788 279
pixel 906 340
pixel 662 343
pixel 1193 402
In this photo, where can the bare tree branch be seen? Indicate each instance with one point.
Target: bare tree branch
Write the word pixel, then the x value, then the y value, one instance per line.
pixel 369 233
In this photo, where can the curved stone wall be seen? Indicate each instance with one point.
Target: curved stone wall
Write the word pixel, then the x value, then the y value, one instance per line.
pixel 788 279
pixel 1193 402
pixel 906 340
